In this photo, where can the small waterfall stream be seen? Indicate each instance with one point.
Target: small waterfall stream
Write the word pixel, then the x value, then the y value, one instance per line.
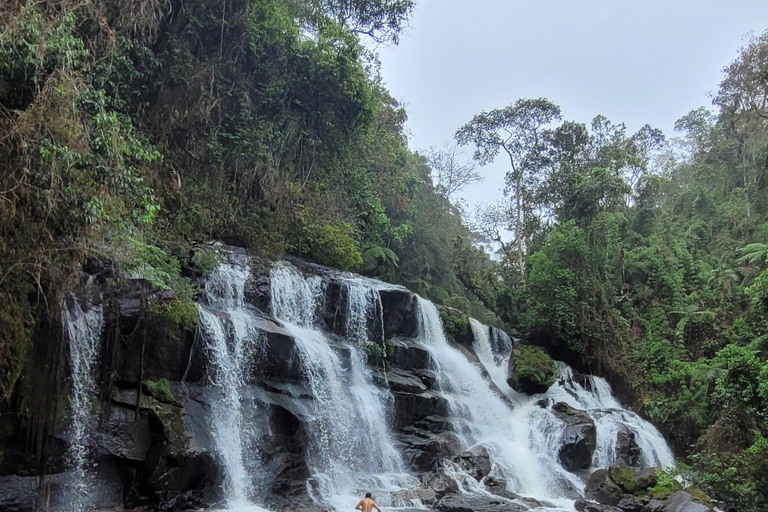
pixel 227 326
pixel 82 328
pixel 350 442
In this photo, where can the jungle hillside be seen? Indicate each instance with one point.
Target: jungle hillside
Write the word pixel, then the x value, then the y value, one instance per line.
pixel 133 134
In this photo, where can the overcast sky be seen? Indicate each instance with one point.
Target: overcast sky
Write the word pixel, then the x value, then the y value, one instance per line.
pixel 634 61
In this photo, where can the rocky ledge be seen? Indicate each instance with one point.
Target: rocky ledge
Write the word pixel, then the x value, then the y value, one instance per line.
pixel 622 488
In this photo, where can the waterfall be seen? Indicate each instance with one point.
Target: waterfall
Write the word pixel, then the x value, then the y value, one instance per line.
pixel 350 446
pixel 609 417
pixel 481 417
pixel 494 365
pixel 82 327
pixel 232 342
pixel 543 429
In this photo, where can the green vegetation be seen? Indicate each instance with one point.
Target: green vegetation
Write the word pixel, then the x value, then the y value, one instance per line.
pixel 666 485
pixel 534 369
pixel 455 323
pixel 133 133
pixel 160 390
pixel 644 258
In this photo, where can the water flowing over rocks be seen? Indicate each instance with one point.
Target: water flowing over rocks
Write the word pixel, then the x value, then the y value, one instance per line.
pixel 304 387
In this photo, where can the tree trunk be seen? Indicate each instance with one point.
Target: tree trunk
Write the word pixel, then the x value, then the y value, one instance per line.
pixel 519 226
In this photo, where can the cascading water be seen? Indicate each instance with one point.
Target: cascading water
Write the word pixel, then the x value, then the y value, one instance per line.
pixel 481 417
pixel 543 429
pixel 350 445
pixel 609 417
pixel 232 342
pixel 82 327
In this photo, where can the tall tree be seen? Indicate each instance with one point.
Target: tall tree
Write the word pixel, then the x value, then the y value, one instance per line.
pixel 517 131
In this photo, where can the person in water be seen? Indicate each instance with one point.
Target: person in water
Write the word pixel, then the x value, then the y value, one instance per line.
pixel 367 504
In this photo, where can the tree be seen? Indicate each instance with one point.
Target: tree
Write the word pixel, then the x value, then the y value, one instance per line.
pixel 449 174
pixel 518 131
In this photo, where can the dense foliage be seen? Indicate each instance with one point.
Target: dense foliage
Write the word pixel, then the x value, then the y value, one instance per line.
pixel 131 133
pixel 645 259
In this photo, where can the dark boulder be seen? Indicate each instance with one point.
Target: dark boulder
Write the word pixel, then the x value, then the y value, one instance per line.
pixel 403 381
pixel 400 313
pixel 425 448
pixel 627 448
pixel 476 461
pixel 279 360
pixel 583 505
pixel 579 438
pixel 630 503
pixel 126 436
pixel 684 501
pixel 601 488
pixel 410 408
pixel 408 355
pixel 18 493
pixel 478 503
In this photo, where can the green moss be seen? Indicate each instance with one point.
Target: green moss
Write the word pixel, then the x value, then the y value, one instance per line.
pixel 666 485
pixel 160 389
pixel 177 314
pixel 205 261
pixel 625 477
pixel 533 367
pixel 454 325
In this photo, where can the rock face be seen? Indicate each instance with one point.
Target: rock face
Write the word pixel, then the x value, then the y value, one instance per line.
pixel 579 439
pixel 628 489
pixel 627 448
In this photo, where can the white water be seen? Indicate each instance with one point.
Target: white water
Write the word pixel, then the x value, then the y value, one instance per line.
pixel 82 327
pixel 481 417
pixel 543 429
pixel 350 446
pixel 232 342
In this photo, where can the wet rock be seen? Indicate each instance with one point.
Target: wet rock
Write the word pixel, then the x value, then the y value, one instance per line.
pixel 407 355
pixel 583 505
pixel 441 483
pixel 174 500
pixel 630 503
pixel 424 449
pixel 478 503
pixel 476 461
pixel 646 478
pixel 683 501
pixel 279 360
pixel 627 448
pixel 17 493
pixel 579 438
pixel 125 435
pixel 400 313
pixel 410 407
pixel 404 381
pixel 654 506
pixel 601 488
pixel 257 290
pixel 501 343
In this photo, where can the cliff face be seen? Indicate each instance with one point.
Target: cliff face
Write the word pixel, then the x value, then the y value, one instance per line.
pixel 152 444
pixel 299 383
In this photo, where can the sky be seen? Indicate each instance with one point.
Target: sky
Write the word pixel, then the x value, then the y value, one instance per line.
pixel 635 61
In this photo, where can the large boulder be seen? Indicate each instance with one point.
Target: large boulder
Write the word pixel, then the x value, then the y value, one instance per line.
pixel 601 488
pixel 476 461
pixel 477 503
pixel 408 355
pixel 579 438
pixel 684 501
pixel 428 443
pixel 583 505
pixel 18 493
pixel 411 407
pixel 400 313
pixel 530 370
pixel 627 448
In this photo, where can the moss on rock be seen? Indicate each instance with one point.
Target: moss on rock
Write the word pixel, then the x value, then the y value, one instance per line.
pixel 533 372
